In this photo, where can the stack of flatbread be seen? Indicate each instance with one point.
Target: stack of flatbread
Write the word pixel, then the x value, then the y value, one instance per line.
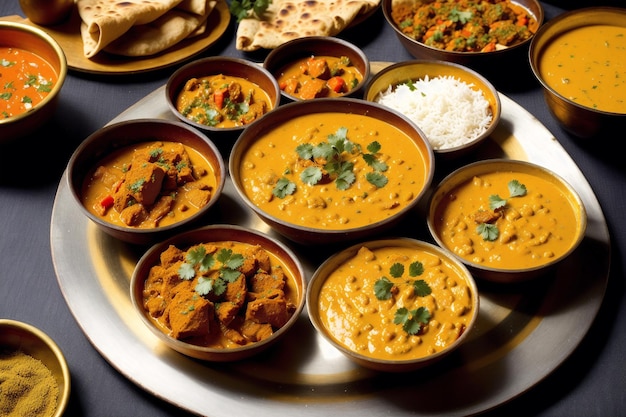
pixel 285 20
pixel 140 27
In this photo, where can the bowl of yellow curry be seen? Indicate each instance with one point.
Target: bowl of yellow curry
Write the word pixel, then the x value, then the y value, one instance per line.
pixel 485 36
pixel 456 107
pixel 34 373
pixel 221 95
pixel 507 220
pixel 318 67
pixel 578 58
pixel 393 305
pixel 33 72
pixel 331 170
pixel 146 179
pixel 219 293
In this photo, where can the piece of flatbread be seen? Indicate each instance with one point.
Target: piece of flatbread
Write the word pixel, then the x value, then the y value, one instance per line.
pixel 162 33
pixel 104 22
pixel 285 20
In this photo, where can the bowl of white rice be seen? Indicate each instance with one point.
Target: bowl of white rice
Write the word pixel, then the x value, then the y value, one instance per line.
pixel 455 107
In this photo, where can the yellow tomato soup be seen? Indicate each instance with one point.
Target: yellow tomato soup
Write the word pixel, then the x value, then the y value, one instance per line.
pixel 587 66
pixel 151 184
pixel 25 80
pixel 273 160
pixel 355 316
pixel 527 231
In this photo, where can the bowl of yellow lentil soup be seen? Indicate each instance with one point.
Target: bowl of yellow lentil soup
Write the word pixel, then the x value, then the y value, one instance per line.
pixel 507 220
pixel 33 72
pixel 33 370
pixel 456 107
pixel 578 58
pixel 394 304
pixel 483 35
pixel 143 180
pixel 331 170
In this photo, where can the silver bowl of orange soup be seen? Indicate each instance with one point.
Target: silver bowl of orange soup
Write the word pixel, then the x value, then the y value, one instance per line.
pixel 578 57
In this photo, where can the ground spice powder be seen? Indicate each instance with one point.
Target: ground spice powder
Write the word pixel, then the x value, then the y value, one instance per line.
pixel 27 387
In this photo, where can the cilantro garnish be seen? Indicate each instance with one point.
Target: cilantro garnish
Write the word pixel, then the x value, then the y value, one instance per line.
pixel 199 261
pixel 490 231
pixel 248 8
pixel 459 16
pixel 329 160
pixel 411 320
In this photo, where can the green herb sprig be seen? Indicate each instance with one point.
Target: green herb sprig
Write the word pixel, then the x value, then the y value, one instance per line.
pixel 489 231
pixel 334 152
pixel 411 320
pixel 248 8
pixel 199 261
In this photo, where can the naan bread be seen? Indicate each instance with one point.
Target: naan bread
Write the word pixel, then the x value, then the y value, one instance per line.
pixel 116 23
pixel 285 20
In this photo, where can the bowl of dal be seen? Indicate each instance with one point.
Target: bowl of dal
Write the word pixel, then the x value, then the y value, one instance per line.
pixel 34 373
pixel 578 58
pixel 331 170
pixel 219 293
pixel 393 305
pixel 318 66
pixel 492 39
pixel 33 73
pixel 455 107
pixel 507 220
pixel 143 180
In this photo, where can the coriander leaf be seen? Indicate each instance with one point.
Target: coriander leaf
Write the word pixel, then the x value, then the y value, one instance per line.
pixel 345 180
pixel 186 271
pixel 311 175
pixel 421 288
pixel 229 275
pixel 459 16
pixel 283 188
pixel 516 189
pixel 496 202
pixel 305 151
pixel 376 179
pixel 374 147
pixel 219 287
pixel 204 286
pixel 401 316
pixel 382 288
pixel 207 262
pixel 396 270
pixel 234 262
pixel 488 231
pixel 224 255
pixel 416 269
pixel 194 256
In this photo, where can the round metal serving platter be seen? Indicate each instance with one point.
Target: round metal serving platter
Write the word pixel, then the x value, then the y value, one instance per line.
pixel 523 332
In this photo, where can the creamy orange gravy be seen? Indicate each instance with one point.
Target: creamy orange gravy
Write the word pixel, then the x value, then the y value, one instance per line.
pixel 533 230
pixel 274 156
pixel 355 317
pixel 588 66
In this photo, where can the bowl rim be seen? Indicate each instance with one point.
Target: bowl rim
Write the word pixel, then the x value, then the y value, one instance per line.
pixel 43 337
pixel 185 238
pixel 540 19
pixel 332 233
pixel 496 108
pixel 62 74
pixel 537 45
pixel 313 40
pixel 145 233
pixel 172 89
pixel 345 254
pixel 492 271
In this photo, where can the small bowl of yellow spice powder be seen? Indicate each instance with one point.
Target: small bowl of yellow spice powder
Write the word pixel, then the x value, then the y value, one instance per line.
pixel 34 376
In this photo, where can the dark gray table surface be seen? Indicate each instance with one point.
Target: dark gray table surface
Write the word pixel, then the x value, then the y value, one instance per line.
pixel 591 382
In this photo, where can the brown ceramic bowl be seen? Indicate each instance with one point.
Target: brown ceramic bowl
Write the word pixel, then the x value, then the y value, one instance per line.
pixel 583 119
pixel 215 65
pixel 494 62
pixel 35 40
pixel 309 223
pixel 219 233
pixel 419 71
pixel 16 336
pixel 534 233
pixel 383 344
pixel 288 53
pixel 112 137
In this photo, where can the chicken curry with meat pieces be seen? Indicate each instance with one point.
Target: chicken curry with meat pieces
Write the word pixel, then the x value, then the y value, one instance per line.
pixel 220 294
pixel 464 25
pixel 149 185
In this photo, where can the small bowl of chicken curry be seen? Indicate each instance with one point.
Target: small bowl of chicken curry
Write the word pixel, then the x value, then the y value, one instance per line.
pixel 145 179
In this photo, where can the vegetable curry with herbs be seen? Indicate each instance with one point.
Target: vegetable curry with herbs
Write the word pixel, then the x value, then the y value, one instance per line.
pixel 149 185
pixel 464 25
